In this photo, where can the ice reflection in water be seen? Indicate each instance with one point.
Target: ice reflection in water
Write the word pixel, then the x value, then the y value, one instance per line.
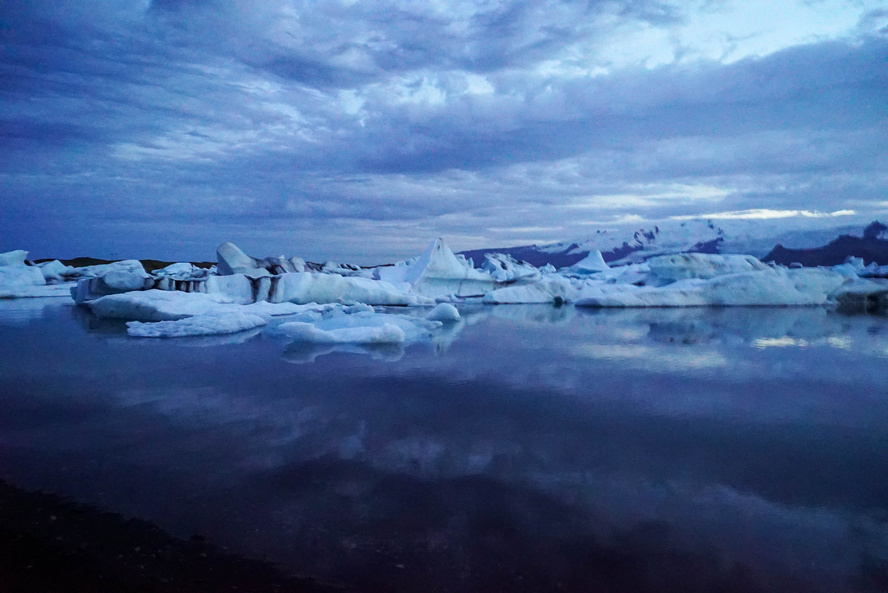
pixel 524 447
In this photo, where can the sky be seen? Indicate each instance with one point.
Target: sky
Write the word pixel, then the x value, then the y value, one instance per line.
pixel 360 131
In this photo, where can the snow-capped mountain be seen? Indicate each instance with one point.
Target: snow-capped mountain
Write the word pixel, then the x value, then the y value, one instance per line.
pixel 626 244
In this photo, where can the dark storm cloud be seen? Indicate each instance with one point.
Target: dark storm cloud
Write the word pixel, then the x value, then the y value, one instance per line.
pixel 411 115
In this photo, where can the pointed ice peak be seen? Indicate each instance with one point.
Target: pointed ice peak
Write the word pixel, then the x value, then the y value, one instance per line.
pixel 232 260
pixel 438 261
pixel 593 262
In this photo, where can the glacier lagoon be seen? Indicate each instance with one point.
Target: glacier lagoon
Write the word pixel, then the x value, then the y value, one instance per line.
pixel 524 448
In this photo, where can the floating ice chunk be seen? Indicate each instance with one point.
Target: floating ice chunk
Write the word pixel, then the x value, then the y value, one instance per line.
pixel 132 266
pixel 231 260
pixel 181 271
pixel 439 272
pixel 307 287
pixel 205 324
pixel 237 288
pixel 551 289
pixel 266 309
pixel 45 291
pixel 591 264
pixel 157 305
pixel 768 287
pixel 681 266
pixel 308 332
pixel 55 271
pixel 19 275
pixel 864 296
pixel 104 279
pixel 504 268
pixel 443 312
pixel 13 258
pixel 394 274
pixel 21 281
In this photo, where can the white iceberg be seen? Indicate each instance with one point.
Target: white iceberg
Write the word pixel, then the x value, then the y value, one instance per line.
pixel 21 281
pixel 666 269
pixel 55 271
pixel 439 272
pixel 443 312
pixel 156 305
pixel 181 271
pixel 231 260
pixel 768 287
pixel 551 289
pixel 13 258
pixel 591 264
pixel 504 268
pixel 162 305
pixel 206 324
pixel 312 287
pixel 20 275
pixel 114 278
pixel 413 328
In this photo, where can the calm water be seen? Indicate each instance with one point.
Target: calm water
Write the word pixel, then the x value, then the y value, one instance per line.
pixel 527 448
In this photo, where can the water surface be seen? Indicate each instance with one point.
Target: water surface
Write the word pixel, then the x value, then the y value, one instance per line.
pixel 527 448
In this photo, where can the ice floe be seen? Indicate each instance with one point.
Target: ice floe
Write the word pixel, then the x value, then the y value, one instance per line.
pixel 443 312
pixel 19 280
pixel 205 324
pixel 311 287
pixel 156 305
pixel 764 287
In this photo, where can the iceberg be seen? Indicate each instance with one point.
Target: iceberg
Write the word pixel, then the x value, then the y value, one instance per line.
pixel 13 258
pixel 666 269
pixel 438 272
pixel 551 289
pixel 313 287
pixel 106 279
pixel 358 318
pixel 156 305
pixel 161 305
pixel 206 324
pixel 55 271
pixel 591 264
pixel 182 271
pixel 505 268
pixel 862 296
pixel 21 281
pixel 443 312
pixel 232 260
pixel 767 287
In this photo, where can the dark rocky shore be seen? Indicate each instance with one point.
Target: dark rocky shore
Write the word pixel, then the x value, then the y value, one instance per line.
pixel 49 544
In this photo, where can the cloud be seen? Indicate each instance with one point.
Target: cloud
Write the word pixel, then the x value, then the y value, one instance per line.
pixel 432 117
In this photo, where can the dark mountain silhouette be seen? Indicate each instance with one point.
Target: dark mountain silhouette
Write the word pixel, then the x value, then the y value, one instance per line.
pixel 870 248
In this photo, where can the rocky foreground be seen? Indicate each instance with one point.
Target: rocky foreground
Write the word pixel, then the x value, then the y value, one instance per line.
pixel 49 544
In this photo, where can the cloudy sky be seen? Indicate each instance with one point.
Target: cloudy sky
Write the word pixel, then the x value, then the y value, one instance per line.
pixel 359 131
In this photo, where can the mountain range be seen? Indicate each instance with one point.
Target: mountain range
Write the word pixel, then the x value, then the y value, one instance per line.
pixel 769 240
